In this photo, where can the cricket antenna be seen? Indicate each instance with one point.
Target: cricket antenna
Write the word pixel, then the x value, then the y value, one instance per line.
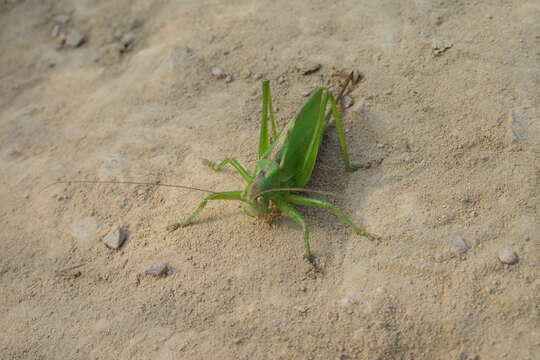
pixel 128 183
pixel 297 190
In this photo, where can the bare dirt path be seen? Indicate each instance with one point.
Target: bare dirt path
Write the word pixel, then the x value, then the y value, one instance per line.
pixel 447 115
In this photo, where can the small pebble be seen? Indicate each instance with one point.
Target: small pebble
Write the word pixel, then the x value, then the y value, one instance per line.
pixel 74 39
pixel 127 40
pixel 135 23
pixel 115 238
pixel 70 272
pixel 55 30
pixel 118 34
pixel 61 19
pixel 302 308
pixel 382 290
pixel 458 244
pixel 158 270
pixel 363 107
pixel 309 67
pixel 347 301
pixel 218 72
pixel 518 125
pixel 357 76
pixel 347 101
pixel 508 256
pixel 228 79
pixel 440 46
pixel 111 163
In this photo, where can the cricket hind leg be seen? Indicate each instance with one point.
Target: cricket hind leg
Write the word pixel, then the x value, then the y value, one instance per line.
pixel 234 163
pixel 295 215
pixel 265 139
pixel 341 137
pixel 228 195
pixel 307 201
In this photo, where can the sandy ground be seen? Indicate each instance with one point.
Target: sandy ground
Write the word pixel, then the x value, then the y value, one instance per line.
pixel 447 115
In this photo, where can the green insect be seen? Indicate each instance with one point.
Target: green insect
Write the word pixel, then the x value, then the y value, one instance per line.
pixel 285 164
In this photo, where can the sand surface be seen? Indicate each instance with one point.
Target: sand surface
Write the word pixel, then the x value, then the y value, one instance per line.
pixel 446 120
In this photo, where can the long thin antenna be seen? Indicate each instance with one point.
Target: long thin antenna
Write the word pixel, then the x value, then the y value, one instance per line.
pixel 297 190
pixel 128 183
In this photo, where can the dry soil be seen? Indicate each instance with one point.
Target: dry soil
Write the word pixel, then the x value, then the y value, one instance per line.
pixel 445 120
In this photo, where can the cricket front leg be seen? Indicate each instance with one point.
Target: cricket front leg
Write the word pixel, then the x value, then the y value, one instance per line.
pixel 293 214
pixel 228 195
pixel 307 201
pixel 234 163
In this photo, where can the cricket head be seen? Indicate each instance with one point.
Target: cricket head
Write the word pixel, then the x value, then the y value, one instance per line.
pixel 265 178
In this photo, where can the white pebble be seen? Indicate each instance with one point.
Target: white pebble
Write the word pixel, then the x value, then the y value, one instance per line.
pixel 75 39
pixel 458 244
pixel 127 39
pixel 158 270
pixel 347 101
pixel 508 257
pixel 61 19
pixel 115 238
pixel 309 67
pixel 218 72
pixel 55 30
pixel 302 308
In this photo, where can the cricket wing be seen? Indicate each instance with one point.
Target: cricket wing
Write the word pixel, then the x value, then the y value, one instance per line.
pixel 299 152
pixel 276 151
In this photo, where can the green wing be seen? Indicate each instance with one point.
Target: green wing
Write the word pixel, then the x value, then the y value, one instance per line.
pixel 299 152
